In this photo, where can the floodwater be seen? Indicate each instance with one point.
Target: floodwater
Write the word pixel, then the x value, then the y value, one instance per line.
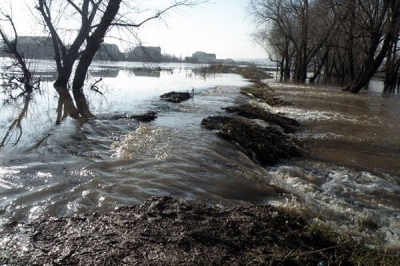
pixel 350 179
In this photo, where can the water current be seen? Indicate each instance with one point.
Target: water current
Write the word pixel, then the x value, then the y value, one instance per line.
pixel 350 179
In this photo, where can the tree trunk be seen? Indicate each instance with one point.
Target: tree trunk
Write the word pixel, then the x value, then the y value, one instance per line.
pixel 301 59
pixel 282 70
pixel 320 66
pixel 287 57
pixel 64 73
pixel 390 69
pixel 372 63
pixel 67 102
pixel 93 43
pixel 398 75
pixel 350 42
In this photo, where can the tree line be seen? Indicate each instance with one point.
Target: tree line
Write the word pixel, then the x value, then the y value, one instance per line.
pixel 348 40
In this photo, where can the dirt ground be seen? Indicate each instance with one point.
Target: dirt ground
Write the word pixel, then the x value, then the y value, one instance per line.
pixel 169 231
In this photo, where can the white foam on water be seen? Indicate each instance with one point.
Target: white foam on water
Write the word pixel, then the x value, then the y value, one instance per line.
pixel 217 90
pixel 343 199
pixel 265 106
pixel 9 177
pixel 35 212
pixel 303 115
pixel 289 85
pixel 147 140
pixel 308 134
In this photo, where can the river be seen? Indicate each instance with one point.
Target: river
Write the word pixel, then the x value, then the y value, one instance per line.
pixel 350 179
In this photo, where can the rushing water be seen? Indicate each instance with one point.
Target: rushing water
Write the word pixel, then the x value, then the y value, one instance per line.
pixel 350 180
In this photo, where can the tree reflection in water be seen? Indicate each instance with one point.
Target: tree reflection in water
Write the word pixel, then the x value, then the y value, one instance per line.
pixel 76 107
pixel 17 123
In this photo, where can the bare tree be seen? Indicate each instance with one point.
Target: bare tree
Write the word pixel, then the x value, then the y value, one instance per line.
pixel 10 47
pixel 378 30
pixel 276 30
pixel 95 18
pixel 347 38
pixel 291 33
pixel 392 67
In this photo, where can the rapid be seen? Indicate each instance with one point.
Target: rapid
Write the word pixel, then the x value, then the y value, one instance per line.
pixel 349 180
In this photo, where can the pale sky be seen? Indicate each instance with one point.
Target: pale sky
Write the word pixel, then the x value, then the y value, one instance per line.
pixel 219 26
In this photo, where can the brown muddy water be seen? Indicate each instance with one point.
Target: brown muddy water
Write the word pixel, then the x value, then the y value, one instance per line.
pixel 360 131
pixel 352 174
pixel 349 181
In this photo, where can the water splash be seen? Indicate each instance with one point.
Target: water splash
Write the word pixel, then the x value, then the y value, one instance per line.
pixel 358 203
pixel 147 140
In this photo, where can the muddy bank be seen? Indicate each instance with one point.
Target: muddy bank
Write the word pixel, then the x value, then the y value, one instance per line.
pixel 145 117
pixel 168 231
pixel 176 97
pixel 250 111
pixel 263 143
pixel 266 137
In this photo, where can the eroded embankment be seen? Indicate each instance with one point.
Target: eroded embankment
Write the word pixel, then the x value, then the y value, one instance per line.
pixel 167 231
pixel 264 136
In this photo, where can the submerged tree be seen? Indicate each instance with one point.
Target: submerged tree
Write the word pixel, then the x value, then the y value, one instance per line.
pixel 296 30
pixel 392 66
pixel 94 19
pixel 377 31
pixel 348 39
pixel 65 56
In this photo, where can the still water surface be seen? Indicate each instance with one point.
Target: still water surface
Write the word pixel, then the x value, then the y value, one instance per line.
pixel 350 180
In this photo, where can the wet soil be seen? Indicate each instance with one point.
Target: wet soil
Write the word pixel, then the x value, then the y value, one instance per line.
pixel 255 112
pixel 146 117
pixel 169 231
pixel 176 97
pixel 264 136
pixel 263 143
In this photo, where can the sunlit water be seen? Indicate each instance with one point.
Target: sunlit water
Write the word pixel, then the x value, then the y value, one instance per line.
pixel 350 179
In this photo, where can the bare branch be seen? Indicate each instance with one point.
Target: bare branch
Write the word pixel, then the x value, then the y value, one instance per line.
pixel 82 11
pixel 57 43
pixel 17 123
pixel 157 15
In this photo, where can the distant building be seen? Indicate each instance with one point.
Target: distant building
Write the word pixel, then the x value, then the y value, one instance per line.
pixel 202 57
pixel 109 52
pixel 145 54
pixel 41 47
pixel 34 47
